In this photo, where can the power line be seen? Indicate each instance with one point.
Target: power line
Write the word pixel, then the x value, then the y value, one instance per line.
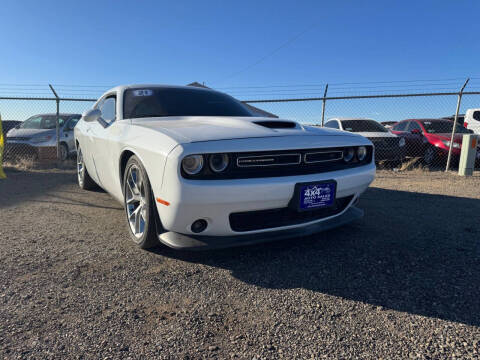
pixel 285 44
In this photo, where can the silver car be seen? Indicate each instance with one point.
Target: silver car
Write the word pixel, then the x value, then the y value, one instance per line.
pixel 39 131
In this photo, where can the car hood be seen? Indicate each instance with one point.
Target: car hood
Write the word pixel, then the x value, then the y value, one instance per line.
pixel 186 129
pixel 369 135
pixel 30 132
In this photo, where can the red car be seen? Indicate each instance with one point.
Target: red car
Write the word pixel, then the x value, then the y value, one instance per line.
pixel 430 138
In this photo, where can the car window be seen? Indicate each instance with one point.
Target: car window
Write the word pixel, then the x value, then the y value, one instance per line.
pixel 156 102
pixel 42 122
pixel 363 126
pixel 443 127
pixel 332 124
pixel 73 121
pixel 476 115
pixel 107 107
pixel 400 126
pixel 413 125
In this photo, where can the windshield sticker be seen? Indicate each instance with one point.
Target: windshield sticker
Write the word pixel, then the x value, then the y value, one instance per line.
pixel 143 92
pixel 428 123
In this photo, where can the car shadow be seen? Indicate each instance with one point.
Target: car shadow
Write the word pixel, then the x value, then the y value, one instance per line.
pixel 413 252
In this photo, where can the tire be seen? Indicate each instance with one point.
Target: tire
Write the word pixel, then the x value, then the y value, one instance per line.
pixel 430 157
pixel 139 205
pixel 84 180
pixel 63 152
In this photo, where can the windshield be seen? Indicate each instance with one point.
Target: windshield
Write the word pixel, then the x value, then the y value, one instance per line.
pixel 443 127
pixel 155 102
pixel 42 122
pixel 363 126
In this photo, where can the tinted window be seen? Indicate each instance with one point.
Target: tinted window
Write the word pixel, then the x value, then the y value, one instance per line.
pixel 413 125
pixel 363 126
pixel 155 102
pixel 476 115
pixel 107 107
pixel 332 124
pixel 42 122
pixel 400 126
pixel 443 127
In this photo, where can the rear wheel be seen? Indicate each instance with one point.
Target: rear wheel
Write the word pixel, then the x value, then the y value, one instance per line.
pixel 84 180
pixel 63 152
pixel 139 205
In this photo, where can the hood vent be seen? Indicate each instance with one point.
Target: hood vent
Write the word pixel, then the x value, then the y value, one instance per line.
pixel 277 124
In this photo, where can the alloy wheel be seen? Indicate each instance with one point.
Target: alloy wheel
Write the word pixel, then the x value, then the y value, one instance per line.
pixel 80 167
pixel 135 201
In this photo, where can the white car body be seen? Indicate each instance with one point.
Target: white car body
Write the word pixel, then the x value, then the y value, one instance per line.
pixel 472 120
pixel 162 142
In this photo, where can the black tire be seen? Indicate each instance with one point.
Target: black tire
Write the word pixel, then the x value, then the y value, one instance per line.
pixel 63 152
pixel 84 180
pixel 138 186
pixel 430 156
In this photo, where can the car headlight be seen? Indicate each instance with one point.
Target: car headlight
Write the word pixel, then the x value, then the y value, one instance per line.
pixel 348 154
pixel 455 145
pixel 218 162
pixel 192 164
pixel 401 142
pixel 361 153
pixel 41 139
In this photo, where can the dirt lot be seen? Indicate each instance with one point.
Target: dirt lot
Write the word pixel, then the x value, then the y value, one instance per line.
pixel 403 282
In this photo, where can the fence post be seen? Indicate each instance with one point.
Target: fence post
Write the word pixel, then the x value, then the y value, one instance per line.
pixel 323 104
pixel 57 99
pixel 455 125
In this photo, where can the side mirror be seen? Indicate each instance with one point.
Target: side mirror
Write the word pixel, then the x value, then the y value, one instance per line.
pixel 92 115
pixel 416 132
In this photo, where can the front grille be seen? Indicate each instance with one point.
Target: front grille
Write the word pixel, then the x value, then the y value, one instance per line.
pixel 385 143
pixel 272 218
pixel 17 138
pixel 264 164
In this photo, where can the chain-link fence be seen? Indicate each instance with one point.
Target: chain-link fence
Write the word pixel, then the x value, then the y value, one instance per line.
pixel 407 130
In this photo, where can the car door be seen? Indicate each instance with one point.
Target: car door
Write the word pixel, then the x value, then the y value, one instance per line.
pixel 414 139
pixel 104 133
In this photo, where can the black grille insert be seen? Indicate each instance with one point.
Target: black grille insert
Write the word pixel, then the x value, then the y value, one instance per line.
pixel 272 218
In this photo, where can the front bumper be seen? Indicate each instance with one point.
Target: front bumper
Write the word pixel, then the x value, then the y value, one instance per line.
pixel 195 242
pixel 215 200
pixel 394 154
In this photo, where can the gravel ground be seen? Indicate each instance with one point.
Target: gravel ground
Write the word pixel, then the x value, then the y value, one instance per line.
pixel 403 282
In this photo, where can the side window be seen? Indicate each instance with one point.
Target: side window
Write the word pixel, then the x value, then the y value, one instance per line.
pixel 332 124
pixel 108 109
pixel 414 126
pixel 400 126
pixel 476 115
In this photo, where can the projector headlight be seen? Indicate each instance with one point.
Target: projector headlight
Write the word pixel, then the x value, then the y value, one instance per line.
pixel 361 153
pixel 192 164
pixel 218 162
pixel 401 142
pixel 348 154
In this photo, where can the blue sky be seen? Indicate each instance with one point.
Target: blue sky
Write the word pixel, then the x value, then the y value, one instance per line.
pixel 235 45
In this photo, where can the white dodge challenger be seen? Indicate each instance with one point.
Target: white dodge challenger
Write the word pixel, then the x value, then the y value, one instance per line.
pixel 194 169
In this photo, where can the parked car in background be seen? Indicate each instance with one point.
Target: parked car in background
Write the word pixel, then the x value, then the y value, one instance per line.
pixel 472 120
pixel 430 138
pixel 388 147
pixel 388 124
pixel 9 124
pixel 460 119
pixel 194 168
pixel 39 131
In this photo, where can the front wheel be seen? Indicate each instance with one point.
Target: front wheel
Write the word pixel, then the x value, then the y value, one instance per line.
pixel 139 205
pixel 430 156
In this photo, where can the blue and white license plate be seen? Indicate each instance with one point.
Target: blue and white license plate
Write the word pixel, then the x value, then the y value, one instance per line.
pixel 317 195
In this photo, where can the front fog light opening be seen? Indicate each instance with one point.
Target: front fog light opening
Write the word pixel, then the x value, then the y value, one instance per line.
pixel 348 154
pixel 218 162
pixel 199 225
pixel 361 153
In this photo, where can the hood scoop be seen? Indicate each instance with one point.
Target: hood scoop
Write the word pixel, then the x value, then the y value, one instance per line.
pixel 276 124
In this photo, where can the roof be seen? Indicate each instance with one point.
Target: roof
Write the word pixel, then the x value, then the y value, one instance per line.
pixel 253 109
pixel 348 118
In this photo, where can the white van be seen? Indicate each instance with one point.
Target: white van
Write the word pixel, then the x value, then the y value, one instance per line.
pixel 472 120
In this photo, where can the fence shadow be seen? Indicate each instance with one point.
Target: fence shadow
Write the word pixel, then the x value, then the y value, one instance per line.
pixel 412 252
